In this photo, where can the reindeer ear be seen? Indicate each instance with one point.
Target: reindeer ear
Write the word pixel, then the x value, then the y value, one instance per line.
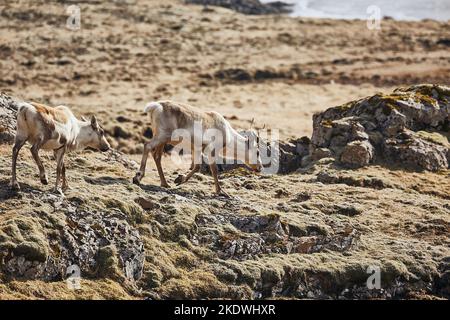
pixel 94 122
pixel 83 119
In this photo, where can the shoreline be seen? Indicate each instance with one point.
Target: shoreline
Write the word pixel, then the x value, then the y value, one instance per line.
pixel 294 10
pixel 366 10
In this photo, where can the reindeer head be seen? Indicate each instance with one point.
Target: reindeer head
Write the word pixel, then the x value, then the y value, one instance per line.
pixel 253 157
pixel 95 136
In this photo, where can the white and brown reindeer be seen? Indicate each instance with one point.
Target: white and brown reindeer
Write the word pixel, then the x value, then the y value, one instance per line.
pixel 54 129
pixel 166 117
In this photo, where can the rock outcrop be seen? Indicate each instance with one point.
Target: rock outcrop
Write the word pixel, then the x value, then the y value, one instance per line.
pixel 282 157
pixel 265 234
pixel 8 110
pixel 302 235
pixel 408 128
pixel 45 244
pixel 253 7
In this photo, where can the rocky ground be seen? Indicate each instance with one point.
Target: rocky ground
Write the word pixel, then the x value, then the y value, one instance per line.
pixel 312 233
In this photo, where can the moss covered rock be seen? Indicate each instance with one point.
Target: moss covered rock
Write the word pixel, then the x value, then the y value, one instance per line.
pixel 408 127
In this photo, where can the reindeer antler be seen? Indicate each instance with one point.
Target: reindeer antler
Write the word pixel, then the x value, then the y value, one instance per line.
pixel 251 123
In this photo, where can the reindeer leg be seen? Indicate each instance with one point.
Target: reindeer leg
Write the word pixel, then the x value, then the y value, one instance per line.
pixel 17 146
pixel 35 153
pixel 59 165
pixel 141 173
pixel 194 169
pixel 65 185
pixel 219 191
pixel 157 155
pixel 150 147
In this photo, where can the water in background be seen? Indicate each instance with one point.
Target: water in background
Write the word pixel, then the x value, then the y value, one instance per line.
pixel 357 9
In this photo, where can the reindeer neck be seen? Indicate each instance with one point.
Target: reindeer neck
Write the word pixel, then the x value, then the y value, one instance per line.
pixel 81 136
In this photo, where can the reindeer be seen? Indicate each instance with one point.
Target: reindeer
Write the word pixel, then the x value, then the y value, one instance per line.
pixel 166 117
pixel 54 129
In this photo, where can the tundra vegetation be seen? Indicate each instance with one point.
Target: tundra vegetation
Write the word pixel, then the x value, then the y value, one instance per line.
pixel 268 239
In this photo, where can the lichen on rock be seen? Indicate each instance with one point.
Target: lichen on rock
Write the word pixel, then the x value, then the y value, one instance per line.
pixel 42 245
pixel 309 234
pixel 8 110
pixel 405 128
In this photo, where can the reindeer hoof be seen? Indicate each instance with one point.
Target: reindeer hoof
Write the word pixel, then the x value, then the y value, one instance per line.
pixel 179 180
pixel 58 191
pixel 15 186
pixel 137 180
pixel 44 180
pixel 222 193
pixel 165 185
